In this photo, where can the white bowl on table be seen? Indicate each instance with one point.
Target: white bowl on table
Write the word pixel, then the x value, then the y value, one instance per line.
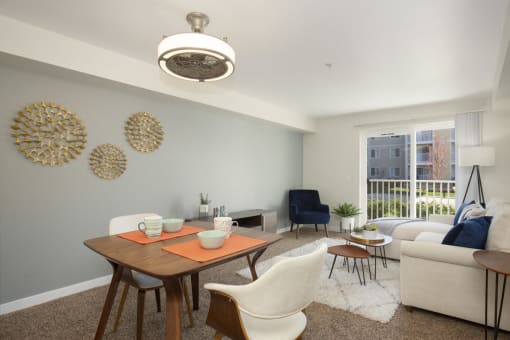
pixel 172 225
pixel 211 239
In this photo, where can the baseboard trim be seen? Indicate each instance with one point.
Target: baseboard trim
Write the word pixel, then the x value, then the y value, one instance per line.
pixel 283 230
pixel 53 294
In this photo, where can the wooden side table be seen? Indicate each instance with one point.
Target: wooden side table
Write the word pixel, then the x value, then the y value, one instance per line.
pixel 499 263
pixel 348 251
pixel 380 245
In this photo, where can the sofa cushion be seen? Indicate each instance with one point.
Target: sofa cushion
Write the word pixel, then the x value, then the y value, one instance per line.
pixel 409 231
pixel 428 236
pixel 463 205
pixel 499 232
pixel 471 233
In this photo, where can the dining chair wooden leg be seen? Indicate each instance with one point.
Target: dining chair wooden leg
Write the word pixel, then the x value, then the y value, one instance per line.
pixel 158 299
pixel 218 336
pixel 139 314
pixel 186 300
pixel 121 307
pixel 326 229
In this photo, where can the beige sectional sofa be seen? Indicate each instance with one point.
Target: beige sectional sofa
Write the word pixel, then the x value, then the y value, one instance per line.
pixel 410 230
pixel 446 279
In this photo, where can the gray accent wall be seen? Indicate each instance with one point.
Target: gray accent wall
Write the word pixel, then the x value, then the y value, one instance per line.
pixel 46 213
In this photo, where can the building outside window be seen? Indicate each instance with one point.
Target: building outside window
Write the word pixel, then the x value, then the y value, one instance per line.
pixel 395 172
pixel 395 152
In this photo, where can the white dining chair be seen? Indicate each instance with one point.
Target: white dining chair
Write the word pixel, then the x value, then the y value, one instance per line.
pixel 270 307
pixel 140 281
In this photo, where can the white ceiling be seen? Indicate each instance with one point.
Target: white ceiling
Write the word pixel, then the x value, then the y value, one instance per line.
pixel 384 54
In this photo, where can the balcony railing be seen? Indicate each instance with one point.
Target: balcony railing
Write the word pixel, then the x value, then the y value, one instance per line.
pixel 392 198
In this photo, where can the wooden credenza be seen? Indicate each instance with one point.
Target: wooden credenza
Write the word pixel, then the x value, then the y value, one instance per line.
pixel 265 220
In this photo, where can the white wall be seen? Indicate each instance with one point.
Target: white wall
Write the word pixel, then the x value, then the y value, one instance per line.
pixel 496 132
pixel 331 156
pixel 46 213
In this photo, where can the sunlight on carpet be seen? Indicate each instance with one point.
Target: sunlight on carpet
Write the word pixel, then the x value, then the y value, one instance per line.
pixel 378 300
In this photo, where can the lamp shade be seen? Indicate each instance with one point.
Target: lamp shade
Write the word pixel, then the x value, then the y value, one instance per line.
pixel 476 155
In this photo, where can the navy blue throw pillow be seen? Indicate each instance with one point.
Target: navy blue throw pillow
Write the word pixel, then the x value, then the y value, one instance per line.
pixel 459 211
pixel 471 233
pixel 452 234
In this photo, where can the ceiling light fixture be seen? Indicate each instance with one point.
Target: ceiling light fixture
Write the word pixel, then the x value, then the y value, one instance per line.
pixel 196 56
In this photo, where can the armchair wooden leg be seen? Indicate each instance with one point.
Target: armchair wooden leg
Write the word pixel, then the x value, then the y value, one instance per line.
pixel 158 299
pixel 121 307
pixel 316 228
pixel 139 314
pixel 186 300
pixel 326 228
pixel 291 226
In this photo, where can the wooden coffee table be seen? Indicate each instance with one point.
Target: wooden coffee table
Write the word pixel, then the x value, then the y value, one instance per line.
pixel 377 246
pixel 350 251
pixel 499 263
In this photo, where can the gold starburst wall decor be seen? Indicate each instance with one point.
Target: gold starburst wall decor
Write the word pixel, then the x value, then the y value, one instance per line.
pixel 107 161
pixel 144 132
pixel 48 133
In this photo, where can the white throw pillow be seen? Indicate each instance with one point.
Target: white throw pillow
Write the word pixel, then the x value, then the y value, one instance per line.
pixel 471 211
pixel 499 231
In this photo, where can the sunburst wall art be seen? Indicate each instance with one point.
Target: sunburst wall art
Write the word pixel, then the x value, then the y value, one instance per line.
pixel 144 132
pixel 49 134
pixel 107 161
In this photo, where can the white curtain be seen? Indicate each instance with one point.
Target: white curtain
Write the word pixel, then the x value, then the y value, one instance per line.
pixel 467 133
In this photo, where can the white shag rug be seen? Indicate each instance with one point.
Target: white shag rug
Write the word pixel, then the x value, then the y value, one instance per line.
pixel 378 300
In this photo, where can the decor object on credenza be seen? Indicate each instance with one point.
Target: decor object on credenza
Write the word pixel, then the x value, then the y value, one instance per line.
pixel 144 132
pixel 476 156
pixel 196 56
pixel 49 134
pixel 346 212
pixel 107 161
pixel 203 210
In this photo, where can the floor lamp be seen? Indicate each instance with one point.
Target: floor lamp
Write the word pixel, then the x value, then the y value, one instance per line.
pixel 475 157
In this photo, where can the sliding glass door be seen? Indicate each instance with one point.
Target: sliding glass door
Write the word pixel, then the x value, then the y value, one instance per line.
pixel 410 174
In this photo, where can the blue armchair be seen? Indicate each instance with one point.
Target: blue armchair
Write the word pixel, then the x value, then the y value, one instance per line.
pixel 305 208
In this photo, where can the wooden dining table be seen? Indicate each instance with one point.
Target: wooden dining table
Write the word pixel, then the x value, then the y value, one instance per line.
pixel 150 259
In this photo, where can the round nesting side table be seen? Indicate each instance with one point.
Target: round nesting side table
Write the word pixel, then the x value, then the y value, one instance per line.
pixel 350 251
pixel 499 263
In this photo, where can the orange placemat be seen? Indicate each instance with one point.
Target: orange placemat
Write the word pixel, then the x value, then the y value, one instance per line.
pixel 139 237
pixel 193 251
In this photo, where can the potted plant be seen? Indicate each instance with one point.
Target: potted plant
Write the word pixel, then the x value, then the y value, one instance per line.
pixel 357 230
pixel 370 231
pixel 346 212
pixel 204 204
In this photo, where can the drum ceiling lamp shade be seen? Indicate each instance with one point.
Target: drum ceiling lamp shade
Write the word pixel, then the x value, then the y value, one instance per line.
pixel 196 56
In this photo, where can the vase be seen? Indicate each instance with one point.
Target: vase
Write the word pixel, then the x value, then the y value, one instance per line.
pixel 203 210
pixel 347 223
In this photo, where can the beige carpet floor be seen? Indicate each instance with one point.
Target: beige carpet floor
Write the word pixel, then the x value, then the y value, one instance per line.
pixel 76 316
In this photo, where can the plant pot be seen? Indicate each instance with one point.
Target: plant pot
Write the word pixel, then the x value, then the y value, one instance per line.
pixel 204 208
pixel 347 223
pixel 370 233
